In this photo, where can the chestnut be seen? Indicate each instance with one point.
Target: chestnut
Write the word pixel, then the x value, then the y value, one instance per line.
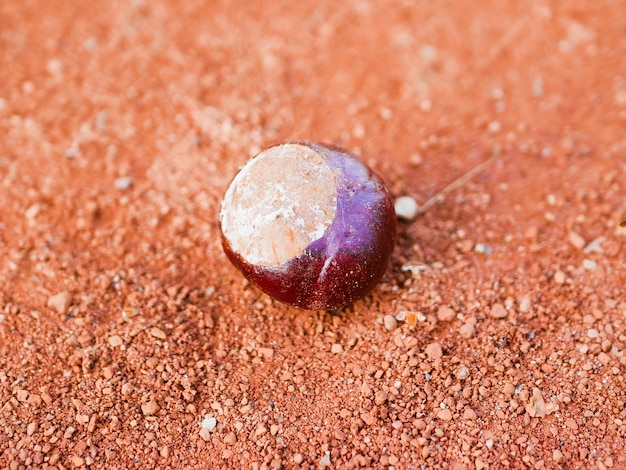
pixel 311 225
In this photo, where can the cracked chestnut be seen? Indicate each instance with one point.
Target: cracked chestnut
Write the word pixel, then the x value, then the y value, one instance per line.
pixel 310 225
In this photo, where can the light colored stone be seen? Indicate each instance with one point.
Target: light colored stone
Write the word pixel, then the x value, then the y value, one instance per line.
pixel 467 330
pixel 150 408
pixel 469 414
pixel 434 351
pixel 537 407
pixel 589 264
pixel 267 353
pixel 498 311
pixel 559 277
pixel 325 461
pixel 32 211
pixel 32 428
pixel 123 183
pixel 60 302
pixel 576 240
pixel 445 313
pixel 525 304
pixel 205 434
pixel 158 333
pixel 406 208
pixel 390 322
pixel 209 422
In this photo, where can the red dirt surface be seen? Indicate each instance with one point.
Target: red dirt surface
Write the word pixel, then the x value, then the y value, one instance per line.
pixel 496 338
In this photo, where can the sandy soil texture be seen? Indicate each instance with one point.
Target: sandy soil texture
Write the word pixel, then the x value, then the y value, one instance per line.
pixel 497 338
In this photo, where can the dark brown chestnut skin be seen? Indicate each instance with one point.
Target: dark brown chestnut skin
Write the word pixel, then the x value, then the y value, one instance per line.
pixel 311 225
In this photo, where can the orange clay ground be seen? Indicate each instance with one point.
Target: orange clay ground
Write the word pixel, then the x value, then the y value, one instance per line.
pixel 497 337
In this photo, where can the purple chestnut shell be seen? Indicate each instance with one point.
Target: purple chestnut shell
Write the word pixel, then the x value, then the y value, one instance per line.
pixel 311 226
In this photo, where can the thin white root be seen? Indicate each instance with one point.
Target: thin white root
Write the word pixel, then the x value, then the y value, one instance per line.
pixel 440 196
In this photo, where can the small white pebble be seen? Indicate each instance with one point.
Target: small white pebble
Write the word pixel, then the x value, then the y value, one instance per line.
pixel 429 54
pixel 336 348
pixel 60 302
pixel 576 240
pixel 325 461
pixel 489 443
pixel 416 159
pixel 557 455
pixel 425 105
pixel 1 318
pixel 385 113
pixel 445 313
pixel 494 127
pixel 467 330
pixel 559 277
pixel 434 351
pixel 406 208
pixel 205 434
pixel 482 248
pixel 498 311
pixel 150 408
pixel 123 183
pixel 28 88
pixel 32 211
pixel 462 372
pixel 91 43
pixel 209 422
pixel 595 246
pixel 524 305
pixel 593 333
pixel 390 323
pixel 32 428
pixel 55 67
pixel 589 264
pixel 358 131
